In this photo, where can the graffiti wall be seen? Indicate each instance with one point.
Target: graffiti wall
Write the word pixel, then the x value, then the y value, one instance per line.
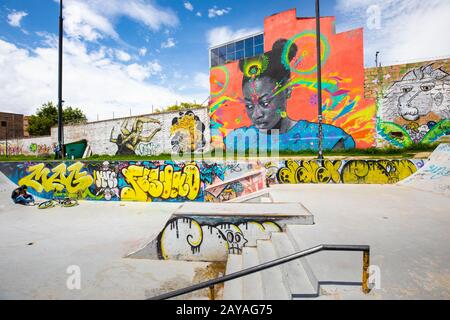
pixel 238 187
pixel 413 102
pixel 192 181
pixel 149 135
pixel 210 238
pixel 341 171
pixel 278 90
pixel 127 180
pixel 28 146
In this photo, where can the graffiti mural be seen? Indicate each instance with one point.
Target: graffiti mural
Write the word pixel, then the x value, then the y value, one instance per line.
pixel 187 133
pixel 416 108
pixel 73 179
pixel 277 90
pixel 10 149
pixel 185 238
pixel 165 182
pixel 41 148
pixel 239 187
pixel 138 139
pixel 174 181
pixel 344 171
pixel 106 181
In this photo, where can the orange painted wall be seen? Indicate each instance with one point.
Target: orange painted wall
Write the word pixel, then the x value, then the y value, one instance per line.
pixel 343 71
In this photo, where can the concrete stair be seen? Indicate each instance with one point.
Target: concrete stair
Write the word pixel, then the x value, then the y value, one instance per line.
pixel 277 283
pixel 324 275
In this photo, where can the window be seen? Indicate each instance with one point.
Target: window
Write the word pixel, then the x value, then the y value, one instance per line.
pixel 238 50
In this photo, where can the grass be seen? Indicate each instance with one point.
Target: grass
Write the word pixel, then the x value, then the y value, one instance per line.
pixel 407 152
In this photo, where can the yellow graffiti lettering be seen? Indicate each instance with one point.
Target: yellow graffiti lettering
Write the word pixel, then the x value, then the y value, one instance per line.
pixel 75 181
pixel 310 172
pixel 377 171
pixel 165 184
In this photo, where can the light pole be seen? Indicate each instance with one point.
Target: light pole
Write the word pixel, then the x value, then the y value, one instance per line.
pixel 60 101
pixel 319 83
pixel 5 124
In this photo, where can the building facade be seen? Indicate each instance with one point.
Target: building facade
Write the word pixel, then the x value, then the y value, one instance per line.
pixel 12 126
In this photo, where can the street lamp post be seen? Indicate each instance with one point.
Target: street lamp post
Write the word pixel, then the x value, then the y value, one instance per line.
pixel 319 83
pixel 5 124
pixel 60 101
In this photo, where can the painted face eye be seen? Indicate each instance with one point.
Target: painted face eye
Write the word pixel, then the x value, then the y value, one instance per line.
pixel 230 237
pixel 249 106
pixel 406 89
pixel 426 87
pixel 265 104
pixel 237 238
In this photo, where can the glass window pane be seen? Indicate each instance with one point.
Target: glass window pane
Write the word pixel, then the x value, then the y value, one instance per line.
pixel 214 57
pixel 221 60
pixel 230 48
pixel 248 43
pixel 214 61
pixel 259 49
pixel 249 52
pixel 259 40
pixel 240 45
pixel 239 54
pixel 230 56
pixel 223 51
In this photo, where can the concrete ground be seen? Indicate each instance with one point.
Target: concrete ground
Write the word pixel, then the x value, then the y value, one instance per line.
pixel 37 247
pixel 408 231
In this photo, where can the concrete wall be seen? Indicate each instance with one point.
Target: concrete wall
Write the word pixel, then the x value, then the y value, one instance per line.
pixel 151 134
pixel 28 146
pixel 286 76
pixel 192 181
pixel 379 171
pixel 413 102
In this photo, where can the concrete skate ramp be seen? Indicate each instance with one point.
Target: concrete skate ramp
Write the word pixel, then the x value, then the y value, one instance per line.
pixel 434 176
pixel 6 188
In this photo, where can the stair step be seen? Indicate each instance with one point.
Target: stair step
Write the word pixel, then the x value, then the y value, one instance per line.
pixel 294 274
pixel 300 245
pixel 273 286
pixel 335 266
pixel 233 289
pixel 252 283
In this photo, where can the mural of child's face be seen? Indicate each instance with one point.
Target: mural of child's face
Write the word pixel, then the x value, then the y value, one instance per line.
pixel 263 109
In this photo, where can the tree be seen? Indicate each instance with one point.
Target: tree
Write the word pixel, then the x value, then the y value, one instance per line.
pixel 183 106
pixel 46 117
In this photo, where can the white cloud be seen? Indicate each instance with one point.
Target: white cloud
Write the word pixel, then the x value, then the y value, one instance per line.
pixel 142 52
pixel 221 35
pixel 216 12
pixel 143 72
pixel 15 17
pixel 122 56
pixel 82 21
pixel 188 6
pixel 199 14
pixel 170 43
pixel 409 30
pixel 93 81
pixel 94 19
pixel 201 80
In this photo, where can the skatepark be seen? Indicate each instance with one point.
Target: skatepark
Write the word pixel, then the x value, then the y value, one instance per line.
pixel 305 174
pixel 405 224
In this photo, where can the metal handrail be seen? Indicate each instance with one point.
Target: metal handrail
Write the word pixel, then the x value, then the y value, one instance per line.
pixel 323 247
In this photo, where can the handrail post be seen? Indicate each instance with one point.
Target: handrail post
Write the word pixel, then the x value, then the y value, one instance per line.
pixel 365 274
pixel 211 292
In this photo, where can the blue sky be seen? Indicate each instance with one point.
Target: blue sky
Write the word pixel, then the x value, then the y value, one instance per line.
pixel 135 54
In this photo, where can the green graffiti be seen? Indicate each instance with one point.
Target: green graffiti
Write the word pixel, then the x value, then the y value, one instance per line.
pixel 394 134
pixel 440 129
